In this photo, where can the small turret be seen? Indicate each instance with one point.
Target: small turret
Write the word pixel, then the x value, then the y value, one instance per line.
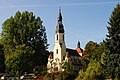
pixel 78 45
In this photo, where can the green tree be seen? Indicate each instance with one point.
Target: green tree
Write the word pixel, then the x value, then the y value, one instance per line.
pixel 93 51
pixel 89 49
pixel 97 52
pixel 111 57
pixel 24 29
pixel 2 60
pixel 67 67
pixel 91 61
pixel 93 71
pixel 69 73
pixel 90 46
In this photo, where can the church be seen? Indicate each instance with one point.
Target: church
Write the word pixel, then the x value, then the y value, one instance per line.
pixel 61 54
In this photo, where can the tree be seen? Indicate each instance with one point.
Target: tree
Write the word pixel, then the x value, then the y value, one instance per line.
pixel 91 61
pixel 93 71
pixel 111 57
pixel 2 60
pixel 96 53
pixel 93 51
pixel 24 30
pixel 67 67
pixel 89 48
pixel 19 61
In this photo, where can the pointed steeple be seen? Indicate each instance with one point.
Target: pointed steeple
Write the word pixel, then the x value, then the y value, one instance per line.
pixel 60 15
pixel 59 47
pixel 78 45
pixel 59 27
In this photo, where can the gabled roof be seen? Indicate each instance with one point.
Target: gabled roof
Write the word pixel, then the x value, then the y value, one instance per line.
pixel 72 52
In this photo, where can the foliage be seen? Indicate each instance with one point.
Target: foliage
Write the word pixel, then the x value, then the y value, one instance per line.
pixel 91 46
pixel 93 71
pixel 85 60
pixel 111 57
pixel 67 67
pixel 40 70
pixel 20 60
pixel 96 54
pixel 2 60
pixel 24 41
pixel 81 75
pixel 59 76
pixel 71 74
pixel 93 51
pixel 91 61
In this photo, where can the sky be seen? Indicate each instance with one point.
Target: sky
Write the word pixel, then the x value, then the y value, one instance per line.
pixel 83 20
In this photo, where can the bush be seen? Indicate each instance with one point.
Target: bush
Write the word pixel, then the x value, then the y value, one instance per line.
pixel 59 76
pixel 1 74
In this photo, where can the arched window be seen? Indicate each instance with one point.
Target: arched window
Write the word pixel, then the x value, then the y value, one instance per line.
pixel 57 51
pixel 57 36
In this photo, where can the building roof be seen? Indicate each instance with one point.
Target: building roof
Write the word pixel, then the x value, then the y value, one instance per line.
pixel 59 27
pixel 72 52
pixel 79 50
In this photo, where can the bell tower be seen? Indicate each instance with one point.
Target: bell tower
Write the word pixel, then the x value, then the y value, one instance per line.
pixel 59 46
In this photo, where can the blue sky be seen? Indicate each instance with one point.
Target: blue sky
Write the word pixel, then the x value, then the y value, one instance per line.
pixel 83 20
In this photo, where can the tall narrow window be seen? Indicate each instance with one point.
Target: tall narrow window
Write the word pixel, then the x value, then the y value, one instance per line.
pixel 63 37
pixel 57 36
pixel 57 51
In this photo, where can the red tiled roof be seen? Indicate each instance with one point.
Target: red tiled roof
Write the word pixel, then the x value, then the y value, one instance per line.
pixel 79 50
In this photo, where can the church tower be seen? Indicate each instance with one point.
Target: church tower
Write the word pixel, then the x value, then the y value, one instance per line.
pixel 59 46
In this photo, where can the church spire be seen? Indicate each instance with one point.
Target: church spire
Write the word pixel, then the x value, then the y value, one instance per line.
pixel 59 27
pixel 60 15
pixel 59 47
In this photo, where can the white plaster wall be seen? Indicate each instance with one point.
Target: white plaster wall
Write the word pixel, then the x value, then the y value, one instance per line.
pixel 61 50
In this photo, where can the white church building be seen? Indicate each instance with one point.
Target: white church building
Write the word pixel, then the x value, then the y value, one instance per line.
pixel 61 54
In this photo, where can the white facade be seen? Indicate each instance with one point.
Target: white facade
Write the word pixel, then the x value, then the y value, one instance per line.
pixel 60 53
pixel 59 47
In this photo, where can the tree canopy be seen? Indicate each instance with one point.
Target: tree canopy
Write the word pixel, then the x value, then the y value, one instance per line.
pixel 111 58
pixel 93 71
pixel 24 42
pixel 93 51
pixel 2 60
pixel 91 61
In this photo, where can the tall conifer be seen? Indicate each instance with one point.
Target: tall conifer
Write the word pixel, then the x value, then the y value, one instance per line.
pixel 111 59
